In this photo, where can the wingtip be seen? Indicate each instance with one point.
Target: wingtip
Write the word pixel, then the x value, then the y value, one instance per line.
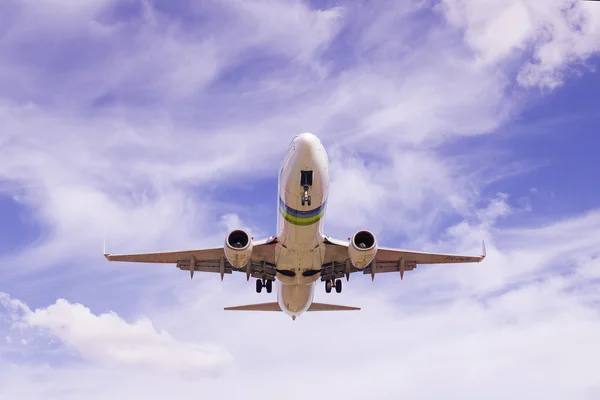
pixel 106 255
pixel 483 252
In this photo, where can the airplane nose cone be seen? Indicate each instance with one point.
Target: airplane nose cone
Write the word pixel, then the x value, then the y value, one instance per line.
pixel 307 142
pixel 306 137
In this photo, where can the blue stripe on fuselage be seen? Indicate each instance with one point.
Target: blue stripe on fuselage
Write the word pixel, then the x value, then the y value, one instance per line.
pixel 298 213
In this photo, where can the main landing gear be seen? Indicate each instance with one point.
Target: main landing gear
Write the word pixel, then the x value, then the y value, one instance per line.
pixel 263 283
pixel 333 282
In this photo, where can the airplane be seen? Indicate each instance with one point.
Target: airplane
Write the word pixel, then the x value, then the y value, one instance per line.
pixel 299 254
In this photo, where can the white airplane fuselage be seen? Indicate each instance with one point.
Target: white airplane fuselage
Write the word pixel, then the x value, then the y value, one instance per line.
pixel 300 236
pixel 295 256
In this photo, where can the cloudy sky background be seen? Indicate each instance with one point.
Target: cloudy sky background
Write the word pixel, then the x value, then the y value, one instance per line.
pixel 161 125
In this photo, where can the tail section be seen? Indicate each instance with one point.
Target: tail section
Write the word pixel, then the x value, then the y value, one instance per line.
pixel 275 307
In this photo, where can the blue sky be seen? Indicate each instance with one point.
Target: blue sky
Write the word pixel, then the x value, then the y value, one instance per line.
pixel 161 125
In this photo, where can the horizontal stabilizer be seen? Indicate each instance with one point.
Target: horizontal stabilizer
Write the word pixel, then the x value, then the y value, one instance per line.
pixel 256 307
pixel 330 307
pixel 275 307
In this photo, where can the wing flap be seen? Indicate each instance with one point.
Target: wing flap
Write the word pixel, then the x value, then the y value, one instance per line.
pixel 381 268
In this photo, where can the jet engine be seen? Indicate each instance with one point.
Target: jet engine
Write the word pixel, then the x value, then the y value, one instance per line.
pixel 362 249
pixel 238 247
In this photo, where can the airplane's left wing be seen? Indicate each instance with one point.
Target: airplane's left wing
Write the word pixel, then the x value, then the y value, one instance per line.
pixel 337 264
pixel 261 265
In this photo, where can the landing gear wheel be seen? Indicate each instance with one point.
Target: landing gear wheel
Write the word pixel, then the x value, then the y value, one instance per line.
pixel 328 286
pixel 259 286
pixel 269 286
pixel 338 286
pixel 305 198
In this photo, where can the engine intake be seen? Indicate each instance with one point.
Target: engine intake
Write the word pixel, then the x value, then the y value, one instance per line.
pixel 362 249
pixel 238 248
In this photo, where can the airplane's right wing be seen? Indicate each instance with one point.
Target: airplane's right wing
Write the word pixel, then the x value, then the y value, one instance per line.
pixel 337 263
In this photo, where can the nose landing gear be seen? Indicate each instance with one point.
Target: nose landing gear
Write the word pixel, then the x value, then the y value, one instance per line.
pixel 306 181
pixel 305 197
pixel 333 282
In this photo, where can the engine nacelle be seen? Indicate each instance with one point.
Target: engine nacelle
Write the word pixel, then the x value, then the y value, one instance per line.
pixel 238 247
pixel 362 249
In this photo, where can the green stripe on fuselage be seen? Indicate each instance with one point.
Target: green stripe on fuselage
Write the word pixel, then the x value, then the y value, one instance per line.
pixel 300 221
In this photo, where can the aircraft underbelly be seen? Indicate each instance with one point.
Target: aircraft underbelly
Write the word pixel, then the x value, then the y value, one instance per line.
pixel 295 299
pixel 302 202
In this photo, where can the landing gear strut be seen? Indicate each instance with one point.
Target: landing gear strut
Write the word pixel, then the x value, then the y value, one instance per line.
pixel 263 283
pixel 306 181
pixel 333 282
pixel 305 197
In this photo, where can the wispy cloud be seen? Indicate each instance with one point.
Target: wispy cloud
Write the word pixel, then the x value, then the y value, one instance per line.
pixel 132 122
pixel 556 33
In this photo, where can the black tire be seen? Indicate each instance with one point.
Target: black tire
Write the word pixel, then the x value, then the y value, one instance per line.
pixel 303 201
pixel 259 286
pixel 338 286
pixel 309 200
pixel 269 286
pixel 328 286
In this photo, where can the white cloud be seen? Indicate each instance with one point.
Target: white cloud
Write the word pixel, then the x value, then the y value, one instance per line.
pixel 414 187
pixel 107 338
pixel 557 32
pixel 535 339
pixel 498 207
